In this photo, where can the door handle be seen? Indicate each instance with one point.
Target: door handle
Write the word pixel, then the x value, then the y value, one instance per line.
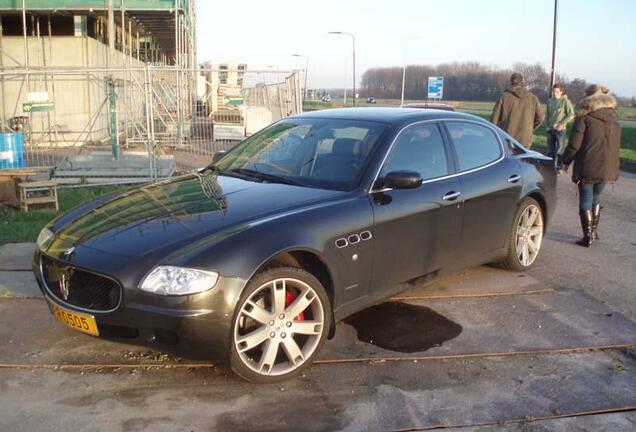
pixel 451 196
pixel 514 178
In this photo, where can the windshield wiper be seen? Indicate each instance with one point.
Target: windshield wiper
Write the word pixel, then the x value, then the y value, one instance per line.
pixel 231 173
pixel 272 178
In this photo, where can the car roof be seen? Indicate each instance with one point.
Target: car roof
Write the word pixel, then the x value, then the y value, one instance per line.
pixel 390 115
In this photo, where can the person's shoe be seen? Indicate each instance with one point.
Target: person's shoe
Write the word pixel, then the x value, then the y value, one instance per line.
pixel 586 226
pixel 596 216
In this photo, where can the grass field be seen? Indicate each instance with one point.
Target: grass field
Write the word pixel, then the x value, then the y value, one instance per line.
pixel 484 109
pixel 16 226
pixel 624 113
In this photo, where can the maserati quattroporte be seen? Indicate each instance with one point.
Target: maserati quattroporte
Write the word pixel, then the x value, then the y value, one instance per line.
pixel 254 258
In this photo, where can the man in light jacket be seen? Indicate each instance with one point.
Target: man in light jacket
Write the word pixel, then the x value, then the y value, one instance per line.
pixel 518 111
pixel 558 114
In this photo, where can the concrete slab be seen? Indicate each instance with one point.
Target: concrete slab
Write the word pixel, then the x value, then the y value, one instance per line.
pixel 500 325
pixel 102 164
pixel 18 284
pixel 344 397
pixel 476 281
pixel 16 256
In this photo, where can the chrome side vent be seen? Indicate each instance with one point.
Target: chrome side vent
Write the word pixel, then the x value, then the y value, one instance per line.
pixel 341 242
pixel 353 239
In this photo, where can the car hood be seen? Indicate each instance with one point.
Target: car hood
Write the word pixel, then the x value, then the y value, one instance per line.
pixel 164 216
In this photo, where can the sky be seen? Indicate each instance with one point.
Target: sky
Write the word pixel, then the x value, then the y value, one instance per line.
pixel 596 39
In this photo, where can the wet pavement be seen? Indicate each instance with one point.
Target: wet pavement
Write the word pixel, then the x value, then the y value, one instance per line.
pixel 482 350
pixel 403 327
pixel 465 350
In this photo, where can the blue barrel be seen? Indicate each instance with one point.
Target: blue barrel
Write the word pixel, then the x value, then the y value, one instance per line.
pixel 11 150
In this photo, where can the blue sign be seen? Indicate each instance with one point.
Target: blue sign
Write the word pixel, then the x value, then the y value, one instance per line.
pixel 435 87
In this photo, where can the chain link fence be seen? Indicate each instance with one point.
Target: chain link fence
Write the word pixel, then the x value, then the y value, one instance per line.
pixel 147 122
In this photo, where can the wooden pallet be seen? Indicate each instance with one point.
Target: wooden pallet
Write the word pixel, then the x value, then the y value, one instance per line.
pixel 49 196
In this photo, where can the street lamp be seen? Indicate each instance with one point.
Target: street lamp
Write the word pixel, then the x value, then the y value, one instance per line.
pixel 353 39
pixel 404 67
pixel 306 68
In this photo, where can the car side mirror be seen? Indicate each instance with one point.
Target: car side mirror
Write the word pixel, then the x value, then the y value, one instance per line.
pixel 218 155
pixel 401 180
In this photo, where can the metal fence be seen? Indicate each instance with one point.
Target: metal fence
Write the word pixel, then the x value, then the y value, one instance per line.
pixel 139 122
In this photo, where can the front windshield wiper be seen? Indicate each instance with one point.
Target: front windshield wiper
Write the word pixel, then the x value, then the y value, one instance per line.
pixel 272 178
pixel 232 173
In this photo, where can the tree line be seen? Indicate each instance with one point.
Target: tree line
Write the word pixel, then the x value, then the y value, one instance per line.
pixel 470 81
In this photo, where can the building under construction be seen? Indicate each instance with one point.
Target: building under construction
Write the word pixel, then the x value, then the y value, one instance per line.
pixel 120 78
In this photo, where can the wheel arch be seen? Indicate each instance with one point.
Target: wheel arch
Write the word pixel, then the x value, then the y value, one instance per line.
pixel 538 197
pixel 310 261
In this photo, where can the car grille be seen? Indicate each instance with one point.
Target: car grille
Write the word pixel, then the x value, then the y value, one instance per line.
pixel 79 288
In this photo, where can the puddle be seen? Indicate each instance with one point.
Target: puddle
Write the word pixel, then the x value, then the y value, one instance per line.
pixel 403 327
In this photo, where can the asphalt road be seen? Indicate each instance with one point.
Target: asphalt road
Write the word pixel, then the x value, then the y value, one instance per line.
pixel 607 271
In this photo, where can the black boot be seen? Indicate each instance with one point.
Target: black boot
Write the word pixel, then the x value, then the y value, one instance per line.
pixel 586 226
pixel 596 215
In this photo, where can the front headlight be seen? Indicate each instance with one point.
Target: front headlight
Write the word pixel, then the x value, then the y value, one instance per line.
pixel 43 238
pixel 171 280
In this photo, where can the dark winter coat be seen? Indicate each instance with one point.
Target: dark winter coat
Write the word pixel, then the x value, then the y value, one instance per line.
pixel 595 141
pixel 518 112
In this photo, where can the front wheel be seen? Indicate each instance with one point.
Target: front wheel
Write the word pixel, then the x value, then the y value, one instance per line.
pixel 281 320
pixel 525 240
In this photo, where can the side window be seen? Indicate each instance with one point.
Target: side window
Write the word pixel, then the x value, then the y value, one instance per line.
pixel 475 145
pixel 420 149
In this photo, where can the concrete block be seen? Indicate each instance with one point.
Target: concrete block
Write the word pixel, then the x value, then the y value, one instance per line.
pixel 16 256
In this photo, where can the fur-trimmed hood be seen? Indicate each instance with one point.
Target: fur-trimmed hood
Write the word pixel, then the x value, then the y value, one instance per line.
pixel 595 102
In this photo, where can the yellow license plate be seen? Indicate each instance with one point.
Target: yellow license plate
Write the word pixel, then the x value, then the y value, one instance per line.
pixel 78 321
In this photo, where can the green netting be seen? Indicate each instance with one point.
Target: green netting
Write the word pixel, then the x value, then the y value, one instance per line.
pixel 95 4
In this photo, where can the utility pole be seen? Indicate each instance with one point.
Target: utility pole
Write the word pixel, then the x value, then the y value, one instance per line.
pixel 404 66
pixel 111 33
pixel 554 34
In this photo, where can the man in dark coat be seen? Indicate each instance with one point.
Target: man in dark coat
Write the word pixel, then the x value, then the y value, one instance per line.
pixel 594 147
pixel 518 111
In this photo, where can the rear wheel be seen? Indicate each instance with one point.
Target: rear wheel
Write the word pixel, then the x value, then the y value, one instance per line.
pixel 525 240
pixel 281 321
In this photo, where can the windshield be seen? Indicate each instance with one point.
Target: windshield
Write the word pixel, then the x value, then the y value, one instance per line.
pixel 323 153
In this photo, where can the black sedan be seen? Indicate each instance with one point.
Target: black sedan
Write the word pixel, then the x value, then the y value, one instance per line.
pixel 254 259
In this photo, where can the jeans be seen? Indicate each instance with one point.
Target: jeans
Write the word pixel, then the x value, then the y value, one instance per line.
pixel 556 145
pixel 589 195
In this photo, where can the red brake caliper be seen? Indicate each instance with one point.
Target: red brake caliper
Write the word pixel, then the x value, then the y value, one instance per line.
pixel 289 299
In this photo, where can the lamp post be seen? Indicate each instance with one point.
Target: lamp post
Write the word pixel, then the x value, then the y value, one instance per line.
pixel 353 40
pixel 306 68
pixel 406 41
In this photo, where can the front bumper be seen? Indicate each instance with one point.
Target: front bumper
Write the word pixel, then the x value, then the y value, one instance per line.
pixel 196 326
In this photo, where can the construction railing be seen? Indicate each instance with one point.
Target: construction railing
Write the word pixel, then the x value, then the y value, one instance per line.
pixel 146 122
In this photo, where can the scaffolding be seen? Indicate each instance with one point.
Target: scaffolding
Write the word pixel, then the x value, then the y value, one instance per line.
pixel 118 80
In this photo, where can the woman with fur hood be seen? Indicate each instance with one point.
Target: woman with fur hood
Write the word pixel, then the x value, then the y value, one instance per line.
pixel 594 148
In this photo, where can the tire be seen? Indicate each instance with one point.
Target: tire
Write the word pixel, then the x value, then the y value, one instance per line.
pixel 525 238
pixel 267 343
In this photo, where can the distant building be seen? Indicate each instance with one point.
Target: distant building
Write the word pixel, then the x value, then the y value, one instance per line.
pixel 223 84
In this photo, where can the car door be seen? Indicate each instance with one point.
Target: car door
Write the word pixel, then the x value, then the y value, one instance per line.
pixel 491 185
pixel 416 231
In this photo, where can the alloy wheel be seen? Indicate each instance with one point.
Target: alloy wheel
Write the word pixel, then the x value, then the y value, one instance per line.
pixel 279 326
pixel 529 235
